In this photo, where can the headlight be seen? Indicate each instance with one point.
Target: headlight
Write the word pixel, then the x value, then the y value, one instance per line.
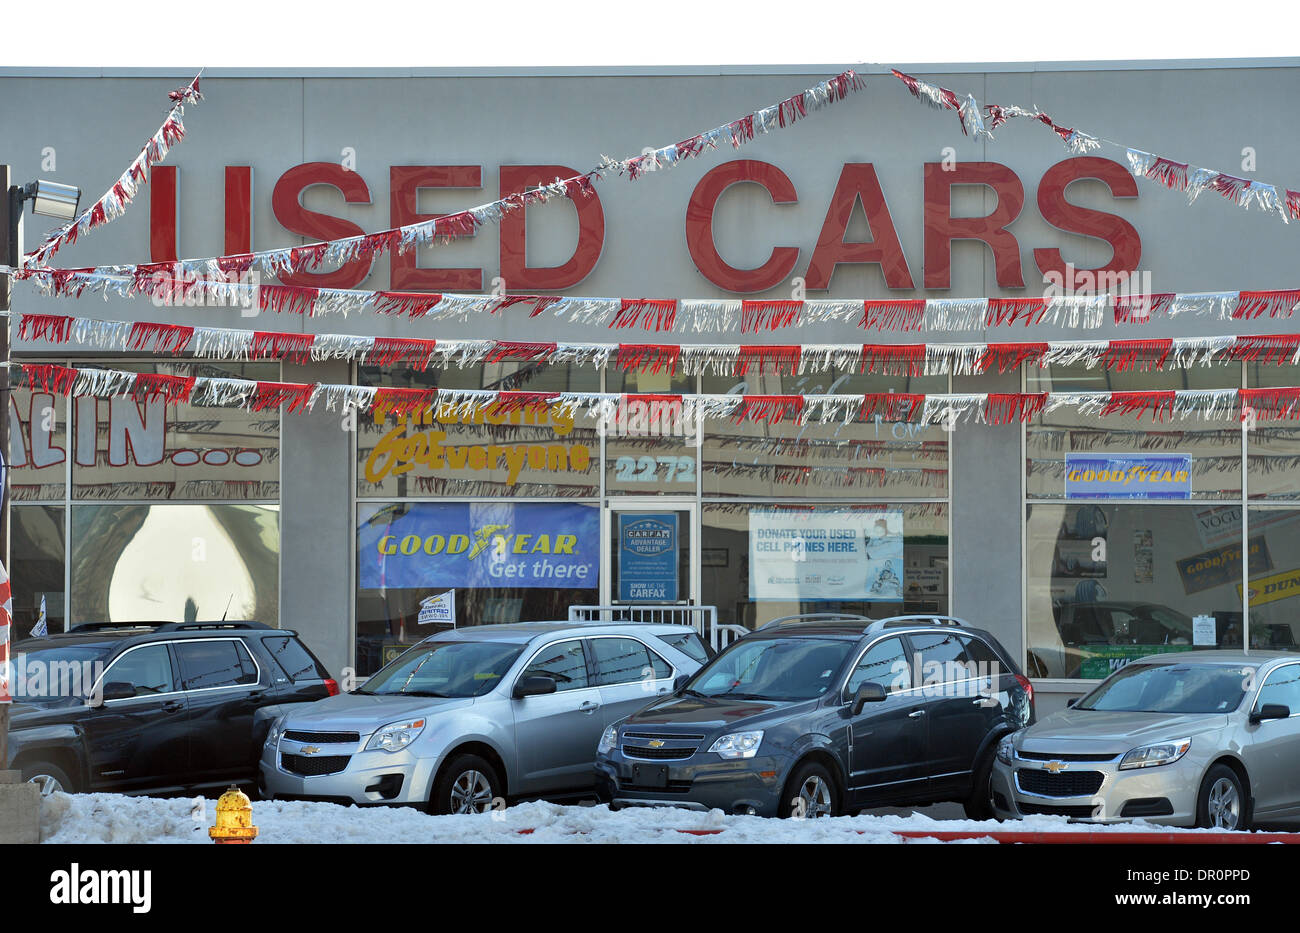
pixel 738 744
pixel 277 729
pixel 395 736
pixel 608 739
pixel 1149 756
pixel 1006 751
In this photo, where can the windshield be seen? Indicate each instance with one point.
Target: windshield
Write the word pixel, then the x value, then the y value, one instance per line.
pixel 445 669
pixel 62 672
pixel 773 669
pixel 1172 688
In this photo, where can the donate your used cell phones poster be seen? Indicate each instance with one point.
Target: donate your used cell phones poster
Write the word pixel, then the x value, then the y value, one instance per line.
pixel 801 556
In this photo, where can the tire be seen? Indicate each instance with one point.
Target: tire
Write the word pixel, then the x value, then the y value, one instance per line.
pixel 1222 802
pixel 466 784
pixel 811 793
pixel 49 777
pixel 979 805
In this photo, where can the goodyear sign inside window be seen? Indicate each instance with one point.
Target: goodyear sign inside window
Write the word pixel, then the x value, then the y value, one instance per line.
pixel 479 545
pixel 1127 476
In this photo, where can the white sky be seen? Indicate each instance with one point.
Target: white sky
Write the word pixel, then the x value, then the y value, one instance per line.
pixel 638 32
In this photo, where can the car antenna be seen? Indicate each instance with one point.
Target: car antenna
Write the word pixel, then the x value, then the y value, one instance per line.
pixel 228 602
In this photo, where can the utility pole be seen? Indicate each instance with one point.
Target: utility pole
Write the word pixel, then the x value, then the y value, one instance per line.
pixel 10 227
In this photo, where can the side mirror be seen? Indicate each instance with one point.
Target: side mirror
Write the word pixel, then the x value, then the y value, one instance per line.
pixel 868 693
pixel 1070 702
pixel 1269 711
pixel 534 686
pixel 681 681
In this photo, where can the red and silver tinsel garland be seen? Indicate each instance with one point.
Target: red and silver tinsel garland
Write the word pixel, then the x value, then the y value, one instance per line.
pixel 915 359
pixel 113 203
pixel 941 409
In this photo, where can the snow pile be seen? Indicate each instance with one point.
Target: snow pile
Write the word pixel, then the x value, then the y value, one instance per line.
pixel 113 818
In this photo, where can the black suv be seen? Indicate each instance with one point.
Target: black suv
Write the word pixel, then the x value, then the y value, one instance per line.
pixel 819 715
pixel 156 708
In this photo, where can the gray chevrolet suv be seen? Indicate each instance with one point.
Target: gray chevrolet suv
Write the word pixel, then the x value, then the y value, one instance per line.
pixel 476 716
pixel 821 715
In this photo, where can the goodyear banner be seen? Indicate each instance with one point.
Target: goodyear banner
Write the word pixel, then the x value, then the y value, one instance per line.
pixel 797 556
pixel 1128 476
pixel 478 545
pixel 1222 566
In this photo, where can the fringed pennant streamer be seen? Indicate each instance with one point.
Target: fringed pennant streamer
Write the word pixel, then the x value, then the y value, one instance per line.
pixel 1158 404
pixel 940 98
pixel 904 359
pixel 54 328
pixel 892 406
pixel 1144 355
pixel 768 315
pixel 174 389
pixel 1291 204
pixel 1140 309
pixel 893 315
pixel 1010 356
pixel 271 345
pixel 290 299
pixel 1282 403
pixel 646 313
pixel 647 357
pixel 51 377
pixel 1014 407
pixel 386 351
pixel 268 395
pixel 402 402
pixel 161 338
pixel 1006 311
pixel 507 402
pixel 1266 348
pixel 769 408
pixel 539 302
pixel 1275 303
pixel 411 304
pixel 1171 174
pixel 520 352
pixel 767 359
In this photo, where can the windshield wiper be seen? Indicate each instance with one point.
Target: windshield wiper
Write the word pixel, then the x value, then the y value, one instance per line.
pixel 420 693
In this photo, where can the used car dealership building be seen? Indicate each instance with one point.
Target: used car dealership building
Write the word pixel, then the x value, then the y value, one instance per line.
pixel 347 527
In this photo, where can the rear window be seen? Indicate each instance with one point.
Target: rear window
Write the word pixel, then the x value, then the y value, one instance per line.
pixel 688 644
pixel 292 657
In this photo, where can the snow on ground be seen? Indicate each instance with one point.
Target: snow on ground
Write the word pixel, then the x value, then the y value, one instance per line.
pixel 113 818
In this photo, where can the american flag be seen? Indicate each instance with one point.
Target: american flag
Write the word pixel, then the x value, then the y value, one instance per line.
pixel 6 616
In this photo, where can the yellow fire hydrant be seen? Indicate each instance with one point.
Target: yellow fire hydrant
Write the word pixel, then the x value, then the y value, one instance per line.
pixel 234 819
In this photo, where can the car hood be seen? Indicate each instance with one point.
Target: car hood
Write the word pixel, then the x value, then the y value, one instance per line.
pixel 707 713
pixel 1078 731
pixel 358 712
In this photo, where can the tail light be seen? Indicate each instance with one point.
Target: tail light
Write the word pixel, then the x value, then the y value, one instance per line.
pixel 1028 687
pixel 332 686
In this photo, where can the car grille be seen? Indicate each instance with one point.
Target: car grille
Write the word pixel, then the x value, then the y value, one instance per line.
pixel 674 787
pixel 1065 784
pixel 312 765
pixel 1045 756
pixel 659 754
pixel 665 736
pixel 1036 809
pixel 324 738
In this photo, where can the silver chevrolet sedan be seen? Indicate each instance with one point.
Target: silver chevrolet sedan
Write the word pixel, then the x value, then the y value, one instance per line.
pixel 469 718
pixel 1210 738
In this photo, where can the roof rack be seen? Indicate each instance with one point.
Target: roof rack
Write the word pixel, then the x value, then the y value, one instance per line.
pixel 110 626
pixel 918 619
pixel 190 626
pixel 816 617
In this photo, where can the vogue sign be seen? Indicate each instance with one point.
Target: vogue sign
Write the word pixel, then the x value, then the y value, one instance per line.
pixel 857 184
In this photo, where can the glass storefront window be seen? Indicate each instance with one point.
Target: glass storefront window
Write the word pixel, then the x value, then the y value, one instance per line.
pixel 531 451
pixel 36 546
pixel 175 563
pixel 834 460
pixel 1214 447
pixel 425 566
pixel 1272 446
pixel 651 447
pixel 1273 624
pixel 126 449
pixel 38 446
pixel 761 562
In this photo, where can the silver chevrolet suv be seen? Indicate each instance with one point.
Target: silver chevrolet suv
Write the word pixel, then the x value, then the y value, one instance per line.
pixel 469 718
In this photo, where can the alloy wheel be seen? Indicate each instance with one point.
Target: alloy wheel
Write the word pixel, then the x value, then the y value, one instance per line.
pixel 1224 805
pixel 47 783
pixel 471 793
pixel 815 797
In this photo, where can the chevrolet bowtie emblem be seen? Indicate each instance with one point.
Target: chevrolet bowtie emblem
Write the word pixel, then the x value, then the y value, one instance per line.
pixel 309 749
pixel 656 743
pixel 1056 767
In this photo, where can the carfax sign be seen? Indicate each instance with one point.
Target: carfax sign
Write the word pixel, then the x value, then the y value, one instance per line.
pixel 647 557
pixel 1128 476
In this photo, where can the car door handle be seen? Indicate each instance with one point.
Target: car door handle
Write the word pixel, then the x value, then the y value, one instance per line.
pixel 172 706
pixel 916 714
pixel 589 707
